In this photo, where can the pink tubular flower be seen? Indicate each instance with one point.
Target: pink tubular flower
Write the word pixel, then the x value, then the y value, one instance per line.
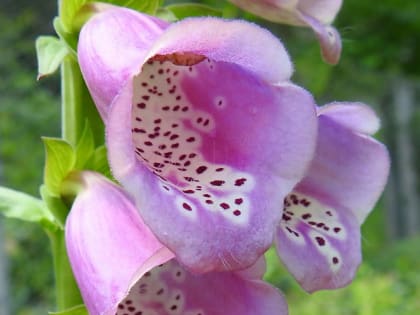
pixel 316 14
pixel 208 135
pixel 318 238
pixel 121 268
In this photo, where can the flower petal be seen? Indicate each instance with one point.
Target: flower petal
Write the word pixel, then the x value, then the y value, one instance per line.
pixel 112 46
pixel 329 38
pixel 349 169
pixel 356 116
pixel 228 41
pixel 171 290
pixel 108 244
pixel 319 244
pixel 121 268
pixel 319 235
pixel 211 152
pixel 322 10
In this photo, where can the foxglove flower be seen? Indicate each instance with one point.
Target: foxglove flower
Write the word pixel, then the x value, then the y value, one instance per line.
pixel 208 136
pixel 318 238
pixel 121 268
pixel 316 14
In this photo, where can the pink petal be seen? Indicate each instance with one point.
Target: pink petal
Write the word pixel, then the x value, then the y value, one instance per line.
pixel 107 244
pixel 324 11
pixel 212 151
pixel 245 44
pixel 112 46
pixel 356 116
pixel 329 38
pixel 319 235
pixel 319 244
pixel 349 169
pixel 169 289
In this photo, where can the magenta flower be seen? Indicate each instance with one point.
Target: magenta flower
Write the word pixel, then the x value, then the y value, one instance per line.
pixel 318 238
pixel 121 268
pixel 208 136
pixel 316 14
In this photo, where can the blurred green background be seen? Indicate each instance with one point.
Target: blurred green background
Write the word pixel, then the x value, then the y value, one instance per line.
pixel 380 65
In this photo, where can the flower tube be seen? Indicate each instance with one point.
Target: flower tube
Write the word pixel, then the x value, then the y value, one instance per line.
pixel 318 238
pixel 121 268
pixel 316 14
pixel 207 133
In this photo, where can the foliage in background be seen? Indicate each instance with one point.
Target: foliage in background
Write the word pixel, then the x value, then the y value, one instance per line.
pixel 379 44
pixel 28 109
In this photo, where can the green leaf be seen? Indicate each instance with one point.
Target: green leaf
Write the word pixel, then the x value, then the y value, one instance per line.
pixel 55 205
pixel 18 205
pixel 77 310
pixel 145 6
pixel 183 10
pixel 67 10
pixel 85 147
pixel 50 53
pixel 165 14
pixel 68 38
pixel 60 160
pixel 99 162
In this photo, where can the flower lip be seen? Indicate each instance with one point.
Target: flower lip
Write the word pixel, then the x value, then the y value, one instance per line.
pixel 185 151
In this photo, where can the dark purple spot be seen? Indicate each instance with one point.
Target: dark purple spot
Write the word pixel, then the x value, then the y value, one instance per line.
pixel 335 260
pixel 240 181
pixel 186 206
pixel 148 143
pixel 320 240
pixel 192 155
pixel 188 191
pixel 145 97
pixel 337 229
pixel 208 201
pixel 237 212
pixel 224 205
pixel 201 169
pixel 306 216
pixel 158 121
pixel 144 84
pixel 219 169
pixel 141 105
pixel 138 130
pixel 173 137
pixel 238 201
pixel 286 217
pixel 175 145
pixel 190 139
pixel 217 182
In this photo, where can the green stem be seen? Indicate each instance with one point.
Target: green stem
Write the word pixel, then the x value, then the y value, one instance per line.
pixel 72 100
pixel 77 105
pixel 67 291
